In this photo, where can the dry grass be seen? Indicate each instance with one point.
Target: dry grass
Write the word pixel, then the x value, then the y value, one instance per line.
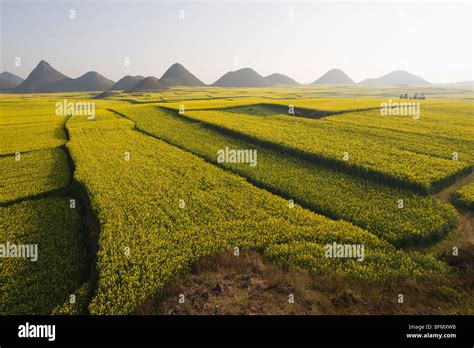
pixel 247 284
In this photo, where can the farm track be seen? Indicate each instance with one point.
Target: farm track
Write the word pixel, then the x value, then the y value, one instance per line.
pixel 462 235
pixel 464 232
pixel 444 194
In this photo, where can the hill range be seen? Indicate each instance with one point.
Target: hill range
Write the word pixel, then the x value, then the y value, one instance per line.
pixel 45 79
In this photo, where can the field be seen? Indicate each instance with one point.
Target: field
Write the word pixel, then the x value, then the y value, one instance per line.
pixel 125 205
pixel 371 206
pixel 33 173
pixel 39 286
pixel 464 197
pixel 338 145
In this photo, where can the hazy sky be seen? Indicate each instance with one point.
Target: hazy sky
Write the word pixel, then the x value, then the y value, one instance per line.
pixel 300 39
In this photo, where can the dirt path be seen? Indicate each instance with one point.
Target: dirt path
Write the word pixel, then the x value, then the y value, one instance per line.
pixel 464 232
pixel 444 194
